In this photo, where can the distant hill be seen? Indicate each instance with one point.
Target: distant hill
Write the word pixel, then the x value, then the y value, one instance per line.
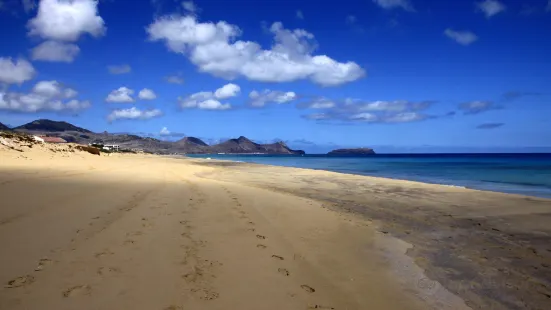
pixel 47 125
pixel 242 145
pixel 187 145
pixel 4 127
pixel 191 145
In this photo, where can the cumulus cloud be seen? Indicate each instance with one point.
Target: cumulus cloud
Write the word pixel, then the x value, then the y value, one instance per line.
pixel 202 100
pixel 147 94
pixel 174 79
pixel 15 72
pixel 213 48
pixel 66 20
pixel 353 110
pixel 207 100
pixel 227 91
pixel 55 51
pixel 475 107
pixel 489 125
pixel 260 99
pixel 461 37
pixel 490 7
pixel 44 96
pixel 395 4
pixel 164 132
pixel 122 94
pixel 119 69
pixel 133 114
pixel 299 14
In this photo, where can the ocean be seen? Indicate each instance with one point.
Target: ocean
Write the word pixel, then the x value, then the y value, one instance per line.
pixel 527 174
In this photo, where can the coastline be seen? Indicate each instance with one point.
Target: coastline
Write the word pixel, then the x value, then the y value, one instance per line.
pixel 525 189
pixel 108 231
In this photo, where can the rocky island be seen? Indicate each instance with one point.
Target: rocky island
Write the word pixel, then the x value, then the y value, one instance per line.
pixel 350 152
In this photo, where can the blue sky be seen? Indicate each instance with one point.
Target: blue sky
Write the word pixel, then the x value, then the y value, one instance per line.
pixel 398 75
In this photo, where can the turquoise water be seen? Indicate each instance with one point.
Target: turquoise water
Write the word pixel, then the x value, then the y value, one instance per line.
pixel 528 174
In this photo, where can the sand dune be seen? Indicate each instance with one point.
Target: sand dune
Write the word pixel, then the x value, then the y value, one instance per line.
pixel 79 231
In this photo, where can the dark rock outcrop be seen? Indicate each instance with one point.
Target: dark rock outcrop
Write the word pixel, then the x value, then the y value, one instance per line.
pixel 4 127
pixel 352 152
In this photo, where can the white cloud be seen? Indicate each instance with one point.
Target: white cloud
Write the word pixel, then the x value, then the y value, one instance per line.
pixel 133 113
pixel 55 51
pixel 321 103
pixel 299 14
pixel 490 7
pixel 227 91
pixel 365 117
pixel 164 132
pixel 174 79
pixel 213 49
pixel 15 72
pixel 70 93
pixel 147 94
pixel 47 88
pixel 189 6
pixel 66 20
pixel 202 100
pixel 44 96
pixel 119 69
pixel 461 37
pixel 207 100
pixel 123 94
pixel 406 117
pixel 395 4
pixel 260 99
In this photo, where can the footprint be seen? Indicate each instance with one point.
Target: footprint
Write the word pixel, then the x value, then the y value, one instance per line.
pixel 283 271
pixel 20 281
pixel 260 237
pixel 129 241
pixel 108 270
pixel 43 262
pixel 173 307
pixel 77 290
pixel 104 253
pixel 307 288
pixel 320 307
pixel 250 223
pixel 261 246
pixel 277 257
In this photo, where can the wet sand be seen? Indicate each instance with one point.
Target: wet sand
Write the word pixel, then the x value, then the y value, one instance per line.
pixel 79 231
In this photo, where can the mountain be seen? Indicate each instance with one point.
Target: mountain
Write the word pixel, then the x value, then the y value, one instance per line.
pixel 46 125
pixel 351 152
pixel 243 145
pixel 4 127
pixel 187 145
pixel 191 145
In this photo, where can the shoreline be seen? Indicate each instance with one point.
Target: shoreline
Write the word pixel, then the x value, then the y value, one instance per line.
pixel 108 231
pixel 367 176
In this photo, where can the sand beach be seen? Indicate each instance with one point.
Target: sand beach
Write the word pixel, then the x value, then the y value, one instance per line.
pixel 81 231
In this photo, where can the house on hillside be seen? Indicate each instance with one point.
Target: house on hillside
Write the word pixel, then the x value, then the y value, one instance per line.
pixel 52 139
pixel 38 139
pixel 111 147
